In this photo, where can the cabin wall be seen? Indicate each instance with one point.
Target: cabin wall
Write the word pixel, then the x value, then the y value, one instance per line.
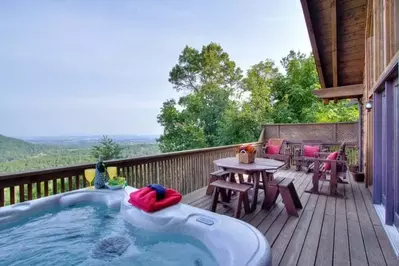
pixel 381 48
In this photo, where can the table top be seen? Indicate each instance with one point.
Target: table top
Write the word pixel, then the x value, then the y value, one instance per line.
pixel 260 164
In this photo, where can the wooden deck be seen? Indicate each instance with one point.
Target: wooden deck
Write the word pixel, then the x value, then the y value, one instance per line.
pixel 329 231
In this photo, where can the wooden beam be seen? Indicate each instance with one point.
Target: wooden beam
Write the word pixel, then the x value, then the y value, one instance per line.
pixel 343 92
pixel 312 38
pixel 333 9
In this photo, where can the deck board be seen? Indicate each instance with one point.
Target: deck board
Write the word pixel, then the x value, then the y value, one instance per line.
pixel 341 254
pixel 325 249
pixel 373 251
pixel 328 231
pixel 357 246
pixel 309 249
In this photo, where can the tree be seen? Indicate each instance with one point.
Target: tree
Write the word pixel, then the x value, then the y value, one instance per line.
pixel 337 112
pixel 258 84
pixel 292 92
pixel 220 106
pixel 238 126
pixel 211 65
pixel 242 120
pixel 180 131
pixel 210 81
pixel 107 149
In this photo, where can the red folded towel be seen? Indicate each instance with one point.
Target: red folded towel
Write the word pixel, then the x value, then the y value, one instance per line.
pixel 146 199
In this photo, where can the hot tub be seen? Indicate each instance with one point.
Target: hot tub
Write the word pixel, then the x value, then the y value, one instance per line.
pixel 99 227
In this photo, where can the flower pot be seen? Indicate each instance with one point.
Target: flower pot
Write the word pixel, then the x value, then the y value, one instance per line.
pixel 246 157
pixel 358 176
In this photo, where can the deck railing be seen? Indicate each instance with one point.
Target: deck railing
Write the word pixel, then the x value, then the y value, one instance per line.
pixel 185 171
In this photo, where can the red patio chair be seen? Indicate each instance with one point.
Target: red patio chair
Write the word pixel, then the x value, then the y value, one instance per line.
pixel 303 156
pixel 331 169
pixel 278 150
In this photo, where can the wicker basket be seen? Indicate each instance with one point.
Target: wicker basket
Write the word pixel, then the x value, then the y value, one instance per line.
pixel 246 157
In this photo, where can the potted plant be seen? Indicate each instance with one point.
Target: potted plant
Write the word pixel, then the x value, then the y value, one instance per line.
pixel 353 168
pixel 358 176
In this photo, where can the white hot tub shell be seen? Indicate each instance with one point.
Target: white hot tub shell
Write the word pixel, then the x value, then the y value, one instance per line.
pixel 231 241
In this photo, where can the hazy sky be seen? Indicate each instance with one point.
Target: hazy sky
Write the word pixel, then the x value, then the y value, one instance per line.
pixel 93 67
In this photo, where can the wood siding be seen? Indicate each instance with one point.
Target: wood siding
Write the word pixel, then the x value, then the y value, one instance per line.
pixel 381 57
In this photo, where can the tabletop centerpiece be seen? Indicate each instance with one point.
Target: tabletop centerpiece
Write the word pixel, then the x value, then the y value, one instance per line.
pixel 246 153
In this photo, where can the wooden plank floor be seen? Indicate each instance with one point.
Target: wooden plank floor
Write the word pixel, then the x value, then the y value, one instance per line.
pixel 328 231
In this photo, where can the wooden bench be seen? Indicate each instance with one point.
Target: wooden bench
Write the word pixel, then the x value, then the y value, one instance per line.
pixel 285 187
pixel 217 175
pixel 221 187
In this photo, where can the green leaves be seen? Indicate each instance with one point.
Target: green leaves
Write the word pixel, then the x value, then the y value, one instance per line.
pixel 220 106
pixel 210 80
pixel 337 112
pixel 210 65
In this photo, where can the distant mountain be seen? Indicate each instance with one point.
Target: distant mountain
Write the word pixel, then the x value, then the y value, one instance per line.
pixel 15 149
pixel 89 140
pixel 20 155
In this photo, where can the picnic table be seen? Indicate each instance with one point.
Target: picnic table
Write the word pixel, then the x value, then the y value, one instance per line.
pixel 261 166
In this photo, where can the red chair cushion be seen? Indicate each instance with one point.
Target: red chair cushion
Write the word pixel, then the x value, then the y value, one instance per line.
pixel 310 151
pixel 331 156
pixel 273 149
pixel 146 199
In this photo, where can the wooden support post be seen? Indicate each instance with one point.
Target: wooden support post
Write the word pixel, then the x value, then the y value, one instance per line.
pixel 333 9
pixel 262 136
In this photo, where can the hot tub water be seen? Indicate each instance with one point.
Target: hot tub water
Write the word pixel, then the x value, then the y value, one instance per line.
pixel 77 236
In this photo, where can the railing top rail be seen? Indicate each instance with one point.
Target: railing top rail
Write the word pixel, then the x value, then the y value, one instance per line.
pixel 300 124
pixel 138 160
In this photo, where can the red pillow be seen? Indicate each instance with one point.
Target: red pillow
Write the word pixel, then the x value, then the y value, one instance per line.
pixel 331 156
pixel 310 151
pixel 273 149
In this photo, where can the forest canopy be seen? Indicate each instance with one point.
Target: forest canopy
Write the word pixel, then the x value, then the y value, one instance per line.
pixel 223 105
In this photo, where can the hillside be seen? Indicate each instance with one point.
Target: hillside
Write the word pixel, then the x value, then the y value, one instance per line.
pixel 16 149
pixel 18 155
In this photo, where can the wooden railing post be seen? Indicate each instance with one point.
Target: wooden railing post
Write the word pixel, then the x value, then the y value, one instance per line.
pixel 278 131
pixel 334 132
